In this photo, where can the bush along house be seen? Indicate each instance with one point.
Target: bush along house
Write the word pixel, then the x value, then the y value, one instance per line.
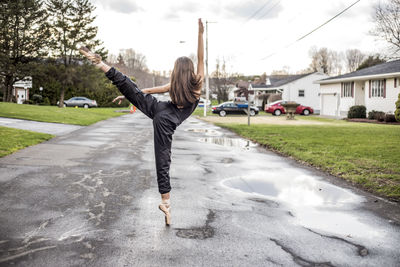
pixel 376 88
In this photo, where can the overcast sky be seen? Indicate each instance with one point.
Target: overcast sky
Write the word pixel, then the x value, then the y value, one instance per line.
pixel 156 28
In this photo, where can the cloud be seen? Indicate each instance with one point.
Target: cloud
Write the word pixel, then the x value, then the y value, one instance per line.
pixel 121 6
pixel 176 10
pixel 253 9
pixel 358 10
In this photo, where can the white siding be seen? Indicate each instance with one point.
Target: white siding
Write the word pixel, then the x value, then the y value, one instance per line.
pixel 387 104
pixel 311 90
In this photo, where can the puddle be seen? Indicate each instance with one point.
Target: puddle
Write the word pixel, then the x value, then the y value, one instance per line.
pixel 313 204
pixel 209 132
pixel 299 190
pixel 229 142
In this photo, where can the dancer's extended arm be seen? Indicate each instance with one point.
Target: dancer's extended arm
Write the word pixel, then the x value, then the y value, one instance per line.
pixel 200 53
pixel 153 90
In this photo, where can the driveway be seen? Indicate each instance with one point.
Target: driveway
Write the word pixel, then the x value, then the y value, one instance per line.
pixel 260 119
pixel 89 198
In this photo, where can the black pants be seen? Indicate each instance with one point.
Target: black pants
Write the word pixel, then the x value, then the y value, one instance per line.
pixel 166 117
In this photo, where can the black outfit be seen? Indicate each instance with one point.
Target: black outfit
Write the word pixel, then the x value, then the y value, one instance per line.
pixel 166 117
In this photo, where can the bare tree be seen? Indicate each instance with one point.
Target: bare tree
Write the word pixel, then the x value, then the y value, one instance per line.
pixel 134 60
pixel 221 80
pixel 320 60
pixel 354 58
pixel 283 71
pixel 336 62
pixel 387 23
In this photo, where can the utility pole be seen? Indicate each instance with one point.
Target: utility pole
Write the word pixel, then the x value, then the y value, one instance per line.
pixel 207 78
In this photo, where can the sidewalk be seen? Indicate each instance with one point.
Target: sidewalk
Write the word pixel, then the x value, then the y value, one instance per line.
pixel 37 126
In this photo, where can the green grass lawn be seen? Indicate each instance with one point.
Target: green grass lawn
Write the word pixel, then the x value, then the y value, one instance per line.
pixel 12 140
pixel 79 116
pixel 365 154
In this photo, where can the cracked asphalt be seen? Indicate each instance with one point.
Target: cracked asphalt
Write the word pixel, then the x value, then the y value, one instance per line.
pixel 89 198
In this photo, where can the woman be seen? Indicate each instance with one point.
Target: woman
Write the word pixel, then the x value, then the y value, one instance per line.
pixel 184 90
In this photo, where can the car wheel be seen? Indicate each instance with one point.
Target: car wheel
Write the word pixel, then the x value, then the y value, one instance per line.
pixel 277 112
pixel 222 113
pixel 86 106
pixel 252 112
pixel 306 112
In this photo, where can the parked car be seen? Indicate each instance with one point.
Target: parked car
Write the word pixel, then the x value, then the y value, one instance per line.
pixel 201 102
pixel 232 108
pixel 277 109
pixel 80 101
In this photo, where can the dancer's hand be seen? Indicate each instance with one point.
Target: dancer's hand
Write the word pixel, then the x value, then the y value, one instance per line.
pixel 94 58
pixel 119 98
pixel 201 27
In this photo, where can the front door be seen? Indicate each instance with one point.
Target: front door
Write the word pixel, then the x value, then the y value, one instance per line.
pixel 359 93
pixel 21 96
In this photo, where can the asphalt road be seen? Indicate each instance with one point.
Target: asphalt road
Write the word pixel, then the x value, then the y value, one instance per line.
pixel 89 198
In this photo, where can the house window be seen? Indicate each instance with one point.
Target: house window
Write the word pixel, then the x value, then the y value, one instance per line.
pixel 301 93
pixel 347 89
pixel 377 88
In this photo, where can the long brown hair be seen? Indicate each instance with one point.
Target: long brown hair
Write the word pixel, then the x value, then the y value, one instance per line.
pixel 185 84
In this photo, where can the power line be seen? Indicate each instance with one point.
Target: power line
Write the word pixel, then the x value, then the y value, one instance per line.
pixel 257 11
pixel 269 10
pixel 317 28
pixel 266 13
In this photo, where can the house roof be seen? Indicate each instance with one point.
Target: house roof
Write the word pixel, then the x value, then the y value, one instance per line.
pixel 280 80
pixel 377 70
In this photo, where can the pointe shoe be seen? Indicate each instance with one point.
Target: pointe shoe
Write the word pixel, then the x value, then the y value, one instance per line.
pixel 164 207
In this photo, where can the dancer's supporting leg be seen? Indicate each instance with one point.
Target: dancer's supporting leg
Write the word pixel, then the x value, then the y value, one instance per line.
pixel 162 129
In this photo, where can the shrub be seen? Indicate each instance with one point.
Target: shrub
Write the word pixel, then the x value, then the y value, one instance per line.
pixel 28 102
pixel 357 112
pixel 375 115
pixel 397 113
pixel 46 101
pixel 389 117
pixel 37 98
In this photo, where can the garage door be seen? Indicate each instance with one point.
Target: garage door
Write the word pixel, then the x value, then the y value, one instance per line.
pixel 328 105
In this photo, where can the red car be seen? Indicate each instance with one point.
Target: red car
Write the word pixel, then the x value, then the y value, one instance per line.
pixel 277 109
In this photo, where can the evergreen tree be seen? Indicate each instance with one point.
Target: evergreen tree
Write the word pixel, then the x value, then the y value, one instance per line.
pixel 24 35
pixel 371 61
pixel 71 25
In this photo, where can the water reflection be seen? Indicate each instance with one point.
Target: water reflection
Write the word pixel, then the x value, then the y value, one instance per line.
pixel 315 204
pixel 302 190
pixel 209 132
pixel 229 142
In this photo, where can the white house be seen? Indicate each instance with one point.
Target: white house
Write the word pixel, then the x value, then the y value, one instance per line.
pixel 376 87
pixel 300 88
pixel 21 89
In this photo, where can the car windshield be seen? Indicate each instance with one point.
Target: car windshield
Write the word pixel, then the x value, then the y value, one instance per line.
pixel 276 102
pixel 224 104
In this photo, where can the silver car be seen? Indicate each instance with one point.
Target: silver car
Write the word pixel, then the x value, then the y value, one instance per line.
pixel 80 101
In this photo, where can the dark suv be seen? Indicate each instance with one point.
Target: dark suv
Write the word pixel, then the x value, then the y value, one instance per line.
pixel 232 108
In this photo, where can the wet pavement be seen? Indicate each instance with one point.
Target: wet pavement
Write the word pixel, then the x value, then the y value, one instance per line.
pixel 38 126
pixel 89 198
